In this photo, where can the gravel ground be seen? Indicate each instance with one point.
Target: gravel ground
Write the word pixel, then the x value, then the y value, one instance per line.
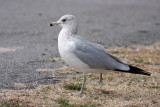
pixel 25 38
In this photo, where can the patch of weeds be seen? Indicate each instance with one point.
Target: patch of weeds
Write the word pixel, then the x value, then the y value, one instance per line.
pixel 77 79
pixel 62 102
pixel 135 79
pixel 144 84
pixel 46 89
pixel 98 105
pixel 129 84
pixel 95 98
pixel 74 78
pixel 72 87
pixel 37 93
pixel 90 76
pixel 45 98
pixel 154 87
pixel 110 78
pixel 25 94
pixel 9 105
pixel 133 91
pixel 107 92
pixel 154 101
pixel 152 83
pixel 138 60
pixel 65 103
pixel 93 77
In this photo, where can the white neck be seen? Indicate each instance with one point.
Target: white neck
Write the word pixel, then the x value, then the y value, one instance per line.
pixel 68 31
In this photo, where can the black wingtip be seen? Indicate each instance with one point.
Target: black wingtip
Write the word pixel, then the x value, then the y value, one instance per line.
pixel 136 70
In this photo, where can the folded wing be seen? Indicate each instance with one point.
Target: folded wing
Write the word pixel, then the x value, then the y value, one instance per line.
pixel 95 57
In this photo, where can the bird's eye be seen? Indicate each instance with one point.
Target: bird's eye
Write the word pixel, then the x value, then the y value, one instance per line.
pixel 64 20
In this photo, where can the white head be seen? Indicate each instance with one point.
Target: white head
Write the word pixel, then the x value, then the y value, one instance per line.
pixel 67 22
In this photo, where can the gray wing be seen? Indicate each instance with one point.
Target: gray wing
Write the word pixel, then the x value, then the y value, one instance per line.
pixel 101 47
pixel 95 57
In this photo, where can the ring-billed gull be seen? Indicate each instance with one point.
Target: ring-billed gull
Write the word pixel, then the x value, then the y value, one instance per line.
pixel 85 56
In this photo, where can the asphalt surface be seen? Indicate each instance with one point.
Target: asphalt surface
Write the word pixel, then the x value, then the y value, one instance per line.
pixel 25 37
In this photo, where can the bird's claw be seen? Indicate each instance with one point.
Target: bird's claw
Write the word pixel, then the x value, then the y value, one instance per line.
pixel 77 93
pixel 99 85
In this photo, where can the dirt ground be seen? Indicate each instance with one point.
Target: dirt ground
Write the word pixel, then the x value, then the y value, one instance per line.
pixel 118 90
pixel 26 39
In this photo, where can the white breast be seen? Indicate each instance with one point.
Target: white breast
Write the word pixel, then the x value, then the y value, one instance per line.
pixel 66 47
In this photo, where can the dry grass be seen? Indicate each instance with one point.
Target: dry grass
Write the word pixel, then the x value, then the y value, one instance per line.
pixel 119 89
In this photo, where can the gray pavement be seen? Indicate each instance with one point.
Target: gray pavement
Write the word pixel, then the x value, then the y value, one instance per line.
pixel 25 37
